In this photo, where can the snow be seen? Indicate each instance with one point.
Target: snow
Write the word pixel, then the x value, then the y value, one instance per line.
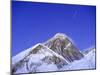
pixel 47 67
pixel 67 45
pixel 36 58
pixel 57 54
pixel 23 69
pixel 62 36
pixel 35 63
pixel 88 62
pixel 45 52
pixel 22 55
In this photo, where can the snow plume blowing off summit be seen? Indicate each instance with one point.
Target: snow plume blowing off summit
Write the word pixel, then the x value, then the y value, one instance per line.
pixel 56 54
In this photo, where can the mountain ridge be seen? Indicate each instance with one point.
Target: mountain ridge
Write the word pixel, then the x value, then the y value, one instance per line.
pixel 56 54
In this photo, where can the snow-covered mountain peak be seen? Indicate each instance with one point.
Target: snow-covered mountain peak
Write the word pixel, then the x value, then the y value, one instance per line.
pixel 60 35
pixel 39 56
pixel 56 54
pixel 62 45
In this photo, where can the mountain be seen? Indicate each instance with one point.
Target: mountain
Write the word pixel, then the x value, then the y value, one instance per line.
pixel 56 54
pixel 86 51
pixel 64 46
pixel 88 62
pixel 38 59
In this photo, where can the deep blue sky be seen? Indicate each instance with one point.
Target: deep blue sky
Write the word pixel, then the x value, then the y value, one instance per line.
pixel 37 22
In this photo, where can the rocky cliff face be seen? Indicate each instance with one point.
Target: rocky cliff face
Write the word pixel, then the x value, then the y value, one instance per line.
pixel 62 45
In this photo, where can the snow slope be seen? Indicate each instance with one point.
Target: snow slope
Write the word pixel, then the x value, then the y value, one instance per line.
pixel 41 61
pixel 22 54
pixel 88 62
